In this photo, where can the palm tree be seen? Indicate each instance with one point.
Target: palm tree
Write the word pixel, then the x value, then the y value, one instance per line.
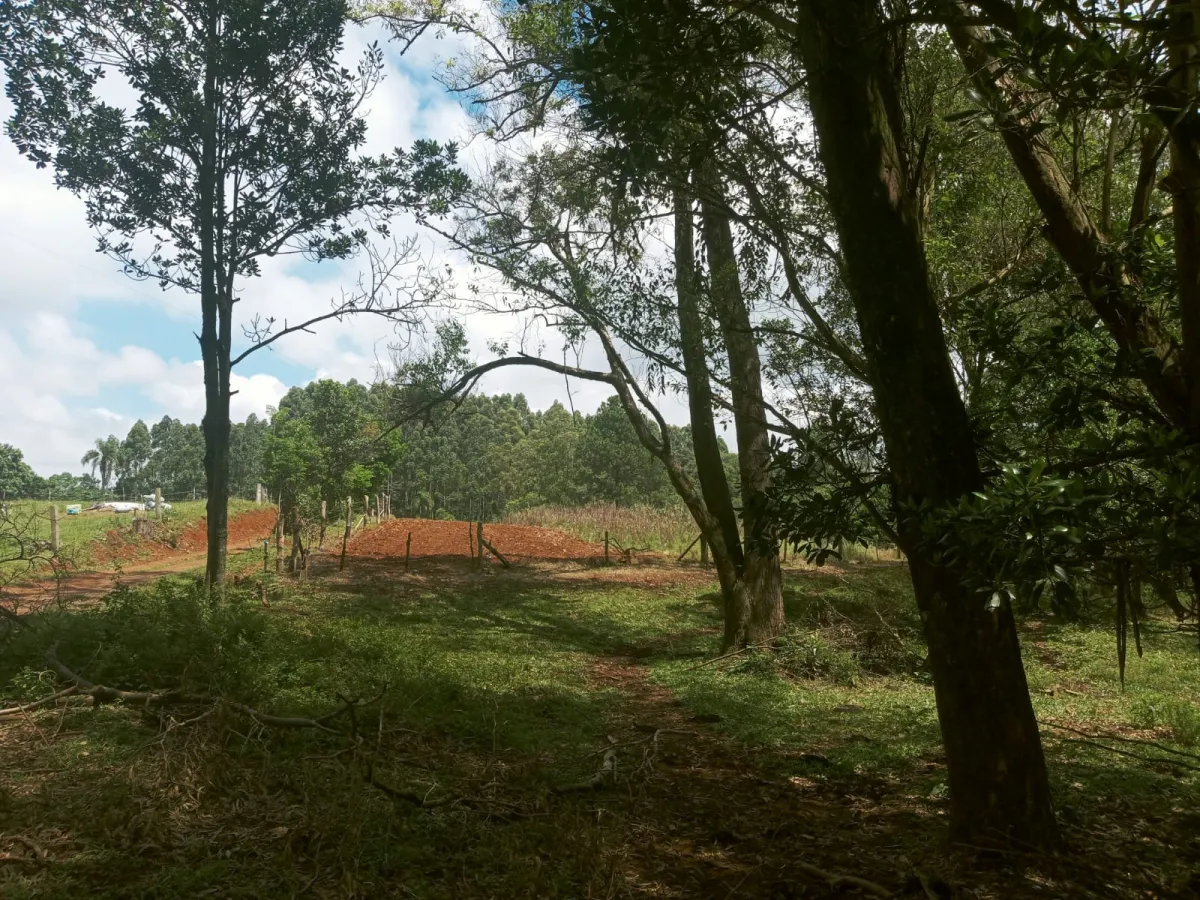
pixel 105 456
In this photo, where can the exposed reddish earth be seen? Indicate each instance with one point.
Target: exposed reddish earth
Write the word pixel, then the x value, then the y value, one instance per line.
pixel 439 538
pixel 143 559
pixel 119 545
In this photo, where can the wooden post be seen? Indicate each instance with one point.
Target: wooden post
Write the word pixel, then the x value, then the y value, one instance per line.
pixel 54 527
pixel 266 552
pixel 321 542
pixel 258 495
pixel 297 544
pixel 471 540
pixel 496 553
pixel 279 541
pixel 479 542
pixel 703 551
pixel 606 562
pixel 378 510
pixel 346 536
pixel 158 504
pixel 407 550
pixel 366 507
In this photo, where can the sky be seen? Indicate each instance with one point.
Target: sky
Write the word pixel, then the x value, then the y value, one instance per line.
pixel 85 351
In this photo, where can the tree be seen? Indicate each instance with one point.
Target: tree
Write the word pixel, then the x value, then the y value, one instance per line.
pixel 241 147
pixel 135 453
pixel 997 772
pixel 15 474
pixel 105 456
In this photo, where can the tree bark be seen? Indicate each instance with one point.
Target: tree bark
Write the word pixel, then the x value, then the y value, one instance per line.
pixel 1184 181
pixel 761 617
pixel 996 768
pixel 710 467
pixel 214 331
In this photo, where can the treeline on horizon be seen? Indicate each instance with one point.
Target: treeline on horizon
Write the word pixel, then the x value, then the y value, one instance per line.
pixel 329 440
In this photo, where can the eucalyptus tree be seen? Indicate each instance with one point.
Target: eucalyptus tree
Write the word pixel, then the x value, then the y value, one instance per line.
pixel 242 143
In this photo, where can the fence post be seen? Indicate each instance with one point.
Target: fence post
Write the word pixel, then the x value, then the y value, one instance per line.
pixel 479 542
pixel 606 548
pixel 378 510
pixel 407 550
pixel 279 541
pixel 258 495
pixel 346 536
pixel 321 541
pixel 703 550
pixel 366 508
pixel 158 503
pixel 54 527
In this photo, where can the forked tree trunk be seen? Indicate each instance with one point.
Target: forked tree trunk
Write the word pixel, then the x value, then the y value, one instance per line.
pixel 996 770
pixel 759 617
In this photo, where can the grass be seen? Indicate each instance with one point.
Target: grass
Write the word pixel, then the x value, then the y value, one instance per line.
pixel 498 689
pixel 79 534
pixel 669 529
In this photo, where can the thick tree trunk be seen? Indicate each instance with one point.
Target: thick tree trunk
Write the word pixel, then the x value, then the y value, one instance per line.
pixel 997 772
pixel 1184 181
pixel 761 617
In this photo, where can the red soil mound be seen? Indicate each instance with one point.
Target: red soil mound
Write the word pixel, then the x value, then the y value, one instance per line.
pixel 438 538
pixel 245 530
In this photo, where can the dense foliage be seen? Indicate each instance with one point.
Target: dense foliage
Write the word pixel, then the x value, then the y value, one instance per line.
pixel 328 441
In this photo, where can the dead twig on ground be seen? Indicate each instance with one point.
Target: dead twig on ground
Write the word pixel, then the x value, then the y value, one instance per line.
pixel 730 655
pixel 837 882
pixel 39 855
pixel 1124 740
pixel 101 694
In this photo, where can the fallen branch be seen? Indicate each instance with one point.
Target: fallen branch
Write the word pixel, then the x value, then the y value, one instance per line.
pixel 39 855
pixel 1125 740
pixel 38 704
pixel 101 694
pixel 716 659
pixel 836 882
pixel 606 772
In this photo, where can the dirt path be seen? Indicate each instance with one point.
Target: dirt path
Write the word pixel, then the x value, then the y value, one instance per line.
pixel 709 821
pixel 92 585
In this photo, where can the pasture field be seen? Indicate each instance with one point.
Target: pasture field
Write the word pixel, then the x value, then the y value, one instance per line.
pixel 81 535
pixel 559 730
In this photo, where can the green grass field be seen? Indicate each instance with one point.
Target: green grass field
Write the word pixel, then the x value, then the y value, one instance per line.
pixel 77 534
pixel 500 690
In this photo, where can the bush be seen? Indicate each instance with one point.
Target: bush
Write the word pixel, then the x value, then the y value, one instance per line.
pixel 801 653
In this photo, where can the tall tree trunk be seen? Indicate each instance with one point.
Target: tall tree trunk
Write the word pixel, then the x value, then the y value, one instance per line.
pixel 710 466
pixel 1184 128
pixel 997 772
pixel 214 330
pixel 762 616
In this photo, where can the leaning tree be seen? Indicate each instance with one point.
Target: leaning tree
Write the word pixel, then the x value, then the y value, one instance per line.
pixel 241 143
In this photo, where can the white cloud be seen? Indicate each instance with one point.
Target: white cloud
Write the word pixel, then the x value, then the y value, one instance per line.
pixel 63 389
